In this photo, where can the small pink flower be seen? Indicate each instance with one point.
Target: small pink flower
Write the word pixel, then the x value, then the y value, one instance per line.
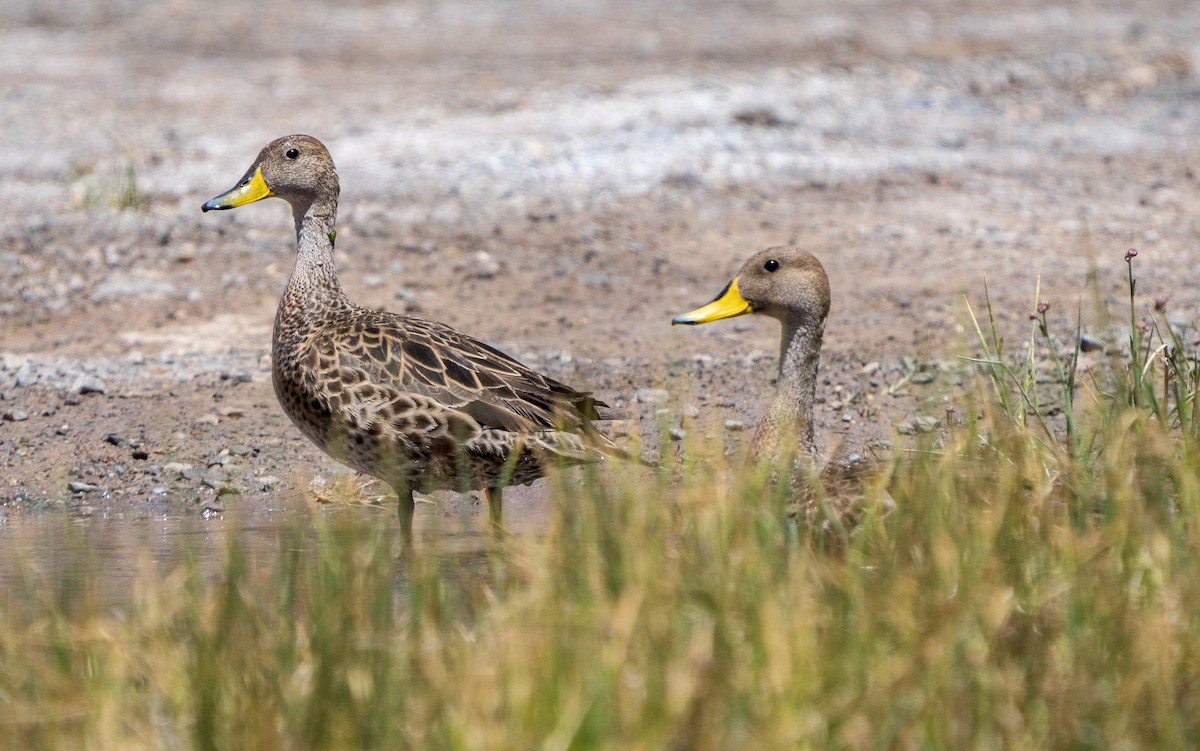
pixel 1043 306
pixel 1160 302
pixel 1131 254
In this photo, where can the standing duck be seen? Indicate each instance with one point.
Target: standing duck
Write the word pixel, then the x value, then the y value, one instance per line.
pixel 789 285
pixel 409 401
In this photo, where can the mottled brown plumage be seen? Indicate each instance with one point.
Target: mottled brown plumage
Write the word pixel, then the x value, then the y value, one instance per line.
pixel 410 401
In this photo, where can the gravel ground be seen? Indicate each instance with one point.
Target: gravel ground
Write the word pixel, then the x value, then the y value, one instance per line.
pixel 559 178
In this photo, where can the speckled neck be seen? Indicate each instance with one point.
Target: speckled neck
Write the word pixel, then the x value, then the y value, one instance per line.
pixel 314 293
pixel 790 415
pixel 314 272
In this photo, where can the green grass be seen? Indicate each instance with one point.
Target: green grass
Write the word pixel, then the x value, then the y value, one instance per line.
pixel 1036 587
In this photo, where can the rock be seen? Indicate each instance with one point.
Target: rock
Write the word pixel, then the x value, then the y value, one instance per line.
pixel 869 368
pixel 266 482
pixel 175 470
pixel 239 449
pixel 735 426
pixel 193 474
pixel 62 430
pixel 81 487
pixel 15 415
pixel 140 454
pixel 479 265
pixel 652 396
pixel 87 384
pixel 231 412
pixel 925 424
pixel 677 434
pixel 114 439
pixel 235 376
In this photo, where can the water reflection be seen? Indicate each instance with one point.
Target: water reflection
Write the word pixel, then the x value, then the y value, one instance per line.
pixel 96 561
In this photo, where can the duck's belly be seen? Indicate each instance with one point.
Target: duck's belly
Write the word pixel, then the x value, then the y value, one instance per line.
pixel 420 461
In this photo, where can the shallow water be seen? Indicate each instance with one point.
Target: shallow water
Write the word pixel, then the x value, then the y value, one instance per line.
pixel 101 557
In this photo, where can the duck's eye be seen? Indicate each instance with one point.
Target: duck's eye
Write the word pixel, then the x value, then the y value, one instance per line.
pixel 292 153
pixel 771 265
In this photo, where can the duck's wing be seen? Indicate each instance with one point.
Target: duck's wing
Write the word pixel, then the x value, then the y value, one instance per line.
pixel 409 355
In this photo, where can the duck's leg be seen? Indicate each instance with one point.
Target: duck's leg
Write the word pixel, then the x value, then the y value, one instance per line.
pixel 495 507
pixel 405 510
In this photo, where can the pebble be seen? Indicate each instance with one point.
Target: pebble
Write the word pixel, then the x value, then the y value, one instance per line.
pixel 926 424
pixel 204 422
pixel 175 469
pixel 87 384
pixel 735 426
pixel 235 376
pixel 62 430
pixel 266 482
pixel 15 415
pixel 140 454
pixel 81 487
pixel 480 265
pixel 231 411
pixel 239 449
pixel 677 434
pixel 652 396
pixel 869 368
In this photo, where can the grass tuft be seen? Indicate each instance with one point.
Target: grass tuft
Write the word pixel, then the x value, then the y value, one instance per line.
pixel 1037 585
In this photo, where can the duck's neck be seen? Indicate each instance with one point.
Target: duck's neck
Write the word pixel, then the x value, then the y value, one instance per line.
pixel 789 418
pixel 313 293
pixel 314 280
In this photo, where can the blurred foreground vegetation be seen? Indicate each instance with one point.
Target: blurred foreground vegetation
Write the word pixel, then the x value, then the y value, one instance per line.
pixel 1037 586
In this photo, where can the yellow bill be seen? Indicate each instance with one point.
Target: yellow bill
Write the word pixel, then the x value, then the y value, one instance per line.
pixel 249 190
pixel 728 304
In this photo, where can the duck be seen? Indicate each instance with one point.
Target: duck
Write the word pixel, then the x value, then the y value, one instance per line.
pixel 790 285
pixel 407 400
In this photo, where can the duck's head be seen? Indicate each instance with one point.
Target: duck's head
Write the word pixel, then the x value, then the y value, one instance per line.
pixel 780 282
pixel 296 168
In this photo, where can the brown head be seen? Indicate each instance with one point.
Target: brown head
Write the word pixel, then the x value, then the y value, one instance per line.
pixel 784 283
pixel 295 168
